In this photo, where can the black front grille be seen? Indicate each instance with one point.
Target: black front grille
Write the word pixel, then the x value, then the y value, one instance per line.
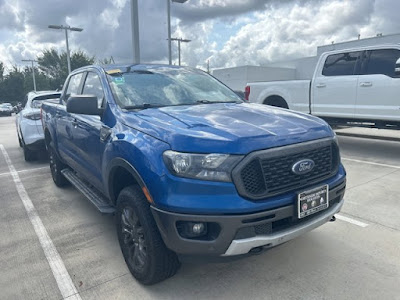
pixel 267 173
pixel 278 173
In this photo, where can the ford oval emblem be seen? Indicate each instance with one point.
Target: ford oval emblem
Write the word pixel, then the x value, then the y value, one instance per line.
pixel 303 166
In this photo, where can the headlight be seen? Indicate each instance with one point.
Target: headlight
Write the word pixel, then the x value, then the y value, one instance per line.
pixel 214 167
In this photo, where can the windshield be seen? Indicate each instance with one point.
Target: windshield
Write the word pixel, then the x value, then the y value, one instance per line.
pixel 167 87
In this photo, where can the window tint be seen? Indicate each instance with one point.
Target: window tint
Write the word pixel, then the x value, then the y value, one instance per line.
pixel 340 64
pixel 93 87
pixel 73 85
pixel 382 62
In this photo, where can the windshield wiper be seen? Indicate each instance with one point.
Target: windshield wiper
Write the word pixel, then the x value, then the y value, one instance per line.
pixel 210 102
pixel 144 106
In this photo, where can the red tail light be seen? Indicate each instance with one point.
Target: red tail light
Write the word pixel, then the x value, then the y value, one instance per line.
pixel 247 93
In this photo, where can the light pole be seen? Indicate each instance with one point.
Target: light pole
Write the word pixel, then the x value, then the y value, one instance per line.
pixel 135 31
pixel 169 27
pixel 179 46
pixel 33 72
pixel 66 28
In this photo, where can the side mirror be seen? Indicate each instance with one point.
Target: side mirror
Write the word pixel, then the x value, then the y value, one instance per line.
pixel 83 104
pixel 397 67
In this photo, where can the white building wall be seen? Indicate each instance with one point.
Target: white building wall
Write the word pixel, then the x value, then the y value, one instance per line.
pixel 237 78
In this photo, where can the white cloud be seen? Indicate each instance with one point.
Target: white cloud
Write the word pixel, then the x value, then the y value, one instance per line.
pixel 228 32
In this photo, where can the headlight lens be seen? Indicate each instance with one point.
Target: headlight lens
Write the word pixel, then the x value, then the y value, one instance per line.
pixel 214 167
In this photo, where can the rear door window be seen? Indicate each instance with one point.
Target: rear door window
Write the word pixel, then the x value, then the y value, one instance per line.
pixel 341 64
pixel 382 61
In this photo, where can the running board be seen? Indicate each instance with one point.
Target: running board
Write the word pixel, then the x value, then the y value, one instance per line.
pixel 94 196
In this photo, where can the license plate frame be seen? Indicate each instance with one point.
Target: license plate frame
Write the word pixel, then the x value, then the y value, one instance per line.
pixel 312 201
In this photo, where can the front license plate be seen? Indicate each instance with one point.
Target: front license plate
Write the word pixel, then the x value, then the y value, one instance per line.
pixel 312 201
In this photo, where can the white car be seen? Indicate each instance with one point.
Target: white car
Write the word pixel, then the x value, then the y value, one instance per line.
pixel 6 109
pixel 29 127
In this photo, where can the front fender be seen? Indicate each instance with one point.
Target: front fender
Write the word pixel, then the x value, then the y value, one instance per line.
pixel 138 153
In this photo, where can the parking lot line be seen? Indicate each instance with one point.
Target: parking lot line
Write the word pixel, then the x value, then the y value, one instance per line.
pixel 60 273
pixel 371 163
pixel 350 220
pixel 25 170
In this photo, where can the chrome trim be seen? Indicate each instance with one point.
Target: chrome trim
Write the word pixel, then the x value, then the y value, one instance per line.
pixel 243 246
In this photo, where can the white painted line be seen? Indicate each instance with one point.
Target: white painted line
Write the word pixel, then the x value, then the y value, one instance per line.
pixel 25 170
pixel 60 273
pixel 371 163
pixel 350 220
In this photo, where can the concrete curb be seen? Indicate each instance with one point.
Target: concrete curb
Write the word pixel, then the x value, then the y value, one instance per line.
pixel 366 136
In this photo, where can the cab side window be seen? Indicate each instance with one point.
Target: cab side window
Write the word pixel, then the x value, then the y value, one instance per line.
pixel 341 64
pixel 382 62
pixel 73 86
pixel 93 86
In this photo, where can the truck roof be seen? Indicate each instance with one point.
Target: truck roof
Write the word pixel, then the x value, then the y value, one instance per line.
pixel 125 67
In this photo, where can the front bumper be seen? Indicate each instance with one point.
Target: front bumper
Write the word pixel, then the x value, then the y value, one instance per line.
pixel 239 234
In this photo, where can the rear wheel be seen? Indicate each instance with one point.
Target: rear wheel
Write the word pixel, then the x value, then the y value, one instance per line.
pixel 144 251
pixel 20 141
pixel 276 101
pixel 29 155
pixel 55 167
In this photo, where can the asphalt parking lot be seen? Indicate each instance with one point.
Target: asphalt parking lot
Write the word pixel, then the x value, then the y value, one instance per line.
pixel 356 257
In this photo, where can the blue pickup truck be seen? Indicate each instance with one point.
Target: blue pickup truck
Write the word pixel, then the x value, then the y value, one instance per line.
pixel 187 167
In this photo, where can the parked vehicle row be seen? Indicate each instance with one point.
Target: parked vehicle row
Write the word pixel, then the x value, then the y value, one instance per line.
pixel 187 167
pixel 356 85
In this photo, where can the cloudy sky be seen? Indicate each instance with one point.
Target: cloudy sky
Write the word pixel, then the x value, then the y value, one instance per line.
pixel 225 32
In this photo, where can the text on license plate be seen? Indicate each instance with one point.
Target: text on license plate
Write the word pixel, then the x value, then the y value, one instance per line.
pixel 312 201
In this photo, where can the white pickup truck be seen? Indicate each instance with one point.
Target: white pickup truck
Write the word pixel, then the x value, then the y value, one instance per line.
pixel 353 85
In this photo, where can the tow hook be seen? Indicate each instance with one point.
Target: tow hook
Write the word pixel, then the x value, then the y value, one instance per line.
pixel 333 219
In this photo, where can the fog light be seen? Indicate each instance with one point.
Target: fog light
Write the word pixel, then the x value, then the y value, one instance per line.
pixel 191 230
pixel 198 228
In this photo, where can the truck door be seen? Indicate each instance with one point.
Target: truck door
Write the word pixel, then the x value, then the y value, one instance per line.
pixel 379 86
pixel 334 88
pixel 86 134
pixel 65 143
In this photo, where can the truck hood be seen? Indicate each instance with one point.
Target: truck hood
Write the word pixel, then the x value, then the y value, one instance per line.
pixel 226 127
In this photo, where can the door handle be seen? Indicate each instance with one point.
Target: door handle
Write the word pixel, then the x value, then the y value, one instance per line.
pixel 321 85
pixel 365 84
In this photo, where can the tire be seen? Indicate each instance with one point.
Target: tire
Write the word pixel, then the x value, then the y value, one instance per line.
pixel 20 141
pixel 144 251
pixel 29 155
pixel 55 168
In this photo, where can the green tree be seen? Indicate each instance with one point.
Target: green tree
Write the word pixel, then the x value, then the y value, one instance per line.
pixel 12 86
pixel 55 67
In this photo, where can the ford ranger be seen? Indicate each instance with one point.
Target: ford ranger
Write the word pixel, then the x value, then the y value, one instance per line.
pixel 187 167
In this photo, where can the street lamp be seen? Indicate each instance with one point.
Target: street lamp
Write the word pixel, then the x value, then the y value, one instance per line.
pixel 66 28
pixel 135 31
pixel 169 26
pixel 33 72
pixel 179 46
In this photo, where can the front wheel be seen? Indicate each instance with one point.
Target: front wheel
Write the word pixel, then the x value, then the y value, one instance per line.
pixel 144 251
